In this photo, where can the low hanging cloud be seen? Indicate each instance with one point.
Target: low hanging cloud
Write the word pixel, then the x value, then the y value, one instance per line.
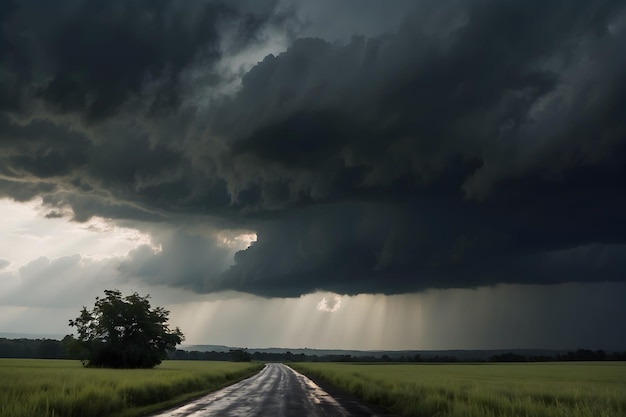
pixel 4 263
pixel 451 144
pixel 184 260
pixel 57 282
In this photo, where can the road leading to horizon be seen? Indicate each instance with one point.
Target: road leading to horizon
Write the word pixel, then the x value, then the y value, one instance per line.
pixel 276 391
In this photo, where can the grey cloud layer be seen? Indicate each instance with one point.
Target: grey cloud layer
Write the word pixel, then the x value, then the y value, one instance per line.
pixel 184 260
pixel 478 142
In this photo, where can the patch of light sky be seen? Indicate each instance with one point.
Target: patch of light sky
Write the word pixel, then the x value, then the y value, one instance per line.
pixel 26 234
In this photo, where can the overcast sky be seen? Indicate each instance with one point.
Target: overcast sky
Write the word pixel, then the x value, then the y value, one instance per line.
pixel 337 174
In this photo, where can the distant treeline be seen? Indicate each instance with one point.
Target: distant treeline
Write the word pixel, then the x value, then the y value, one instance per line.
pixel 242 355
pixel 61 349
pixel 579 355
pixel 34 348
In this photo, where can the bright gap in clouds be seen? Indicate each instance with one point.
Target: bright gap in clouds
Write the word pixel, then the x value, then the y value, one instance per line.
pixel 330 304
pixel 27 234
pixel 235 239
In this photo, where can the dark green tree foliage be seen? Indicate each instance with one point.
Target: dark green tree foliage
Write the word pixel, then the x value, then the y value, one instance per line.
pixel 239 355
pixel 125 332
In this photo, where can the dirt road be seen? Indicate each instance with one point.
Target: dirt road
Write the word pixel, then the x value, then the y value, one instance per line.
pixel 277 391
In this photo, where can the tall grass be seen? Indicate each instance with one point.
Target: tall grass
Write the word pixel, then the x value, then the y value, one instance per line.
pixel 55 388
pixel 483 390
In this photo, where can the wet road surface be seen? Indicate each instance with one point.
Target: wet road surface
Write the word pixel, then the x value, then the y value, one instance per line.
pixel 277 391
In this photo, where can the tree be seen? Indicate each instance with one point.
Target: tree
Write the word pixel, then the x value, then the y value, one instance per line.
pixel 49 349
pixel 239 355
pixel 125 332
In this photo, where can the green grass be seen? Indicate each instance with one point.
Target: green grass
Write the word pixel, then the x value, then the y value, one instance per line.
pixel 591 389
pixel 59 388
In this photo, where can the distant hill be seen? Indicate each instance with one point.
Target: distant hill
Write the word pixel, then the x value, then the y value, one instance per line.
pixel 206 348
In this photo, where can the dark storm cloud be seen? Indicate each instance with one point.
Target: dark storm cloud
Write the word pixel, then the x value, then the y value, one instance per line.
pixel 334 20
pixel 93 57
pixel 389 249
pixel 490 134
pixel 93 95
pixel 477 142
pixel 483 87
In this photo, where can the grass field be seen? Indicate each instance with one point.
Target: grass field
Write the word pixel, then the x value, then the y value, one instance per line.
pixel 58 388
pixel 591 389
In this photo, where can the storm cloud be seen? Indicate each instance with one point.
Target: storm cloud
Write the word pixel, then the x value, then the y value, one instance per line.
pixel 454 144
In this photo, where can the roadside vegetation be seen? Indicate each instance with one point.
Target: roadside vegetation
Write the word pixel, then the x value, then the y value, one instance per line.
pixel 54 388
pixel 590 389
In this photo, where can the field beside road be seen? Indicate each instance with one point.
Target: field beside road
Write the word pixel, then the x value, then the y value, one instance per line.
pixel 53 388
pixel 573 389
